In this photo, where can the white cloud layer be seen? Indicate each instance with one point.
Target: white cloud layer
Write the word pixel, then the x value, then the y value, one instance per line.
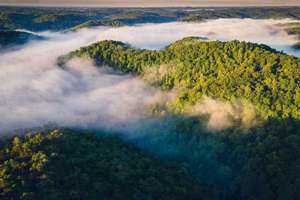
pixel 156 36
pixel 34 91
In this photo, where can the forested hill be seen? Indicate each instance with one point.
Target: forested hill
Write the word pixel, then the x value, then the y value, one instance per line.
pixel 78 165
pixel 228 71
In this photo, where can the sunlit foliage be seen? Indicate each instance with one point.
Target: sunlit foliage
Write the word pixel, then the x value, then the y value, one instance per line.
pixel 228 71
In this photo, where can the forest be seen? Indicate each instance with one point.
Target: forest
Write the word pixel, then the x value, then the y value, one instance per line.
pixel 255 162
pixel 98 166
pixel 170 153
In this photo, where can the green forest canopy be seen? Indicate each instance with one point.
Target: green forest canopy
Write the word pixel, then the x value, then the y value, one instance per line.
pixel 231 164
pixel 231 71
pixel 75 165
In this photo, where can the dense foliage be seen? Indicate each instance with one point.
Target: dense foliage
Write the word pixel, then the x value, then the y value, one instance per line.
pixel 256 163
pixel 75 165
pixel 232 71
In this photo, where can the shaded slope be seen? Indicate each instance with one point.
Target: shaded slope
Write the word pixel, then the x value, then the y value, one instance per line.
pixel 75 165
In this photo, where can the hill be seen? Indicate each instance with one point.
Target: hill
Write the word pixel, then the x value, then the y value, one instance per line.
pixel 231 71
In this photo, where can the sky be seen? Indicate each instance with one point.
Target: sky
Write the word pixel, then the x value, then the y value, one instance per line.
pixel 153 3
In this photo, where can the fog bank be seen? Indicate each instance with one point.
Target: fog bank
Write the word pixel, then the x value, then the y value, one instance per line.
pixel 34 91
pixel 157 36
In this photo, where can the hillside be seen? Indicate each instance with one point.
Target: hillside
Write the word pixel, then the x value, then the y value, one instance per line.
pixel 231 71
pixel 10 38
pixel 66 164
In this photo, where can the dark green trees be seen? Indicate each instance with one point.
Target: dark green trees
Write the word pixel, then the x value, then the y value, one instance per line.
pixel 75 165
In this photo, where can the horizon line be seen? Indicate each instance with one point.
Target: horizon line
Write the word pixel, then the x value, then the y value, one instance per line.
pixel 145 5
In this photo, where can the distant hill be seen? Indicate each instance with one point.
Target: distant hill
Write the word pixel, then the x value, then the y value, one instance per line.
pixel 293 28
pixel 11 38
pixel 59 19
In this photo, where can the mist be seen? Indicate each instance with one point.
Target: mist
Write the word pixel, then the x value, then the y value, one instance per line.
pixel 34 91
pixel 222 115
pixel 157 36
pixel 80 95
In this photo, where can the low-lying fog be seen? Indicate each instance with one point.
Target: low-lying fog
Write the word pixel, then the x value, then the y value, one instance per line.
pixel 157 36
pixel 34 91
